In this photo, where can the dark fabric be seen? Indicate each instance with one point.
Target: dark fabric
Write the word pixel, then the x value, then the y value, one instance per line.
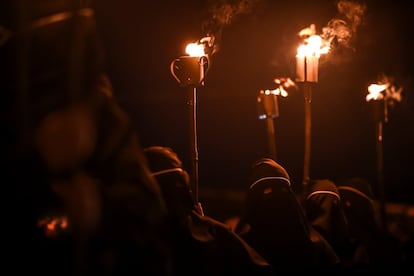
pixel 69 150
pixel 220 250
pixel 274 223
pixel 50 58
pixel 324 210
pixel 116 212
pixel 201 244
pixel 174 181
pixel 162 158
pixel 375 249
pixel 134 214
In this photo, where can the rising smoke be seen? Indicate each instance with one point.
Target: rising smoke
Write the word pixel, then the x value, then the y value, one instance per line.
pixel 221 14
pixel 340 31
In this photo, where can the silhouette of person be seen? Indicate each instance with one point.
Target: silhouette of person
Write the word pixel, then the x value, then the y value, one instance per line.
pixel 85 200
pixel 202 245
pixel 324 210
pixel 375 249
pixel 274 223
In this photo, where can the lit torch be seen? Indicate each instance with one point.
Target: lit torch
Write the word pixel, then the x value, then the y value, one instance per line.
pixel 190 71
pixel 380 95
pixel 307 61
pixel 268 109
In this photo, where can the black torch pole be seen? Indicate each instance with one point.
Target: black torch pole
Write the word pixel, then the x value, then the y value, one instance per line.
pixel 271 137
pixel 192 102
pixel 381 119
pixel 307 89
pixel 190 72
pixel 380 178
pixel 309 72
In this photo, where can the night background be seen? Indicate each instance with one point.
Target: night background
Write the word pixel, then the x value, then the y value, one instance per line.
pixel 257 43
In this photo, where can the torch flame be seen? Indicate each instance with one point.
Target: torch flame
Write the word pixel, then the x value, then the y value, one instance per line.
pixel 375 92
pixel 313 44
pixel 283 84
pixel 202 47
pixel 195 50
pixel 278 91
pixel 385 89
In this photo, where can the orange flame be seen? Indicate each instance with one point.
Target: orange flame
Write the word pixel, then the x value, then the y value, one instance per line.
pixel 202 47
pixel 283 85
pixel 375 92
pixel 313 45
pixel 53 224
pixel 195 50
pixel 278 91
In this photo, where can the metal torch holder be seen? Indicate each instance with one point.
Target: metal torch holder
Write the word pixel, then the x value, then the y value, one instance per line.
pixel 307 74
pixel 190 73
pixel 268 110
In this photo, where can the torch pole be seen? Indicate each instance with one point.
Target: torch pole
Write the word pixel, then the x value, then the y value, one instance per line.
pixel 307 73
pixel 189 71
pixel 380 178
pixel 308 127
pixel 380 161
pixel 271 137
pixel 192 102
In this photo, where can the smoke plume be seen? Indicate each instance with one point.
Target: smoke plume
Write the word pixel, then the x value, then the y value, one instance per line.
pixel 340 31
pixel 222 13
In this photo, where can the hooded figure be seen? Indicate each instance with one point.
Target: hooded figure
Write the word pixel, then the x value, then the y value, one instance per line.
pixel 174 181
pixel 274 223
pixel 71 157
pixel 375 249
pixel 324 210
pixel 201 245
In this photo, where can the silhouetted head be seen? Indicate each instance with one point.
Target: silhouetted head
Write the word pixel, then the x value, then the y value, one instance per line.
pixel 267 167
pixel 360 207
pixel 174 181
pixel 324 210
pixel 274 222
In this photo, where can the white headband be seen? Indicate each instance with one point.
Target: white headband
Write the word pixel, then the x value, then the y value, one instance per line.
pixel 323 192
pixel 358 192
pixel 167 171
pixel 269 178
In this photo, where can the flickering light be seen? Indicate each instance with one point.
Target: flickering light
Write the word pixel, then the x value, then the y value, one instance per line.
pixel 375 91
pixel 195 50
pixel 308 53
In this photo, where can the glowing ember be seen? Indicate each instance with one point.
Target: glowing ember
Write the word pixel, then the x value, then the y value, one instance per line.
pixel 53 225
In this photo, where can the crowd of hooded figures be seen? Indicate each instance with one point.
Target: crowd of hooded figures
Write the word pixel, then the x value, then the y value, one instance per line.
pixel 85 198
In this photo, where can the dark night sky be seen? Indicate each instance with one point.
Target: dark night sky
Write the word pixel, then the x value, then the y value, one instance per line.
pixel 141 40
